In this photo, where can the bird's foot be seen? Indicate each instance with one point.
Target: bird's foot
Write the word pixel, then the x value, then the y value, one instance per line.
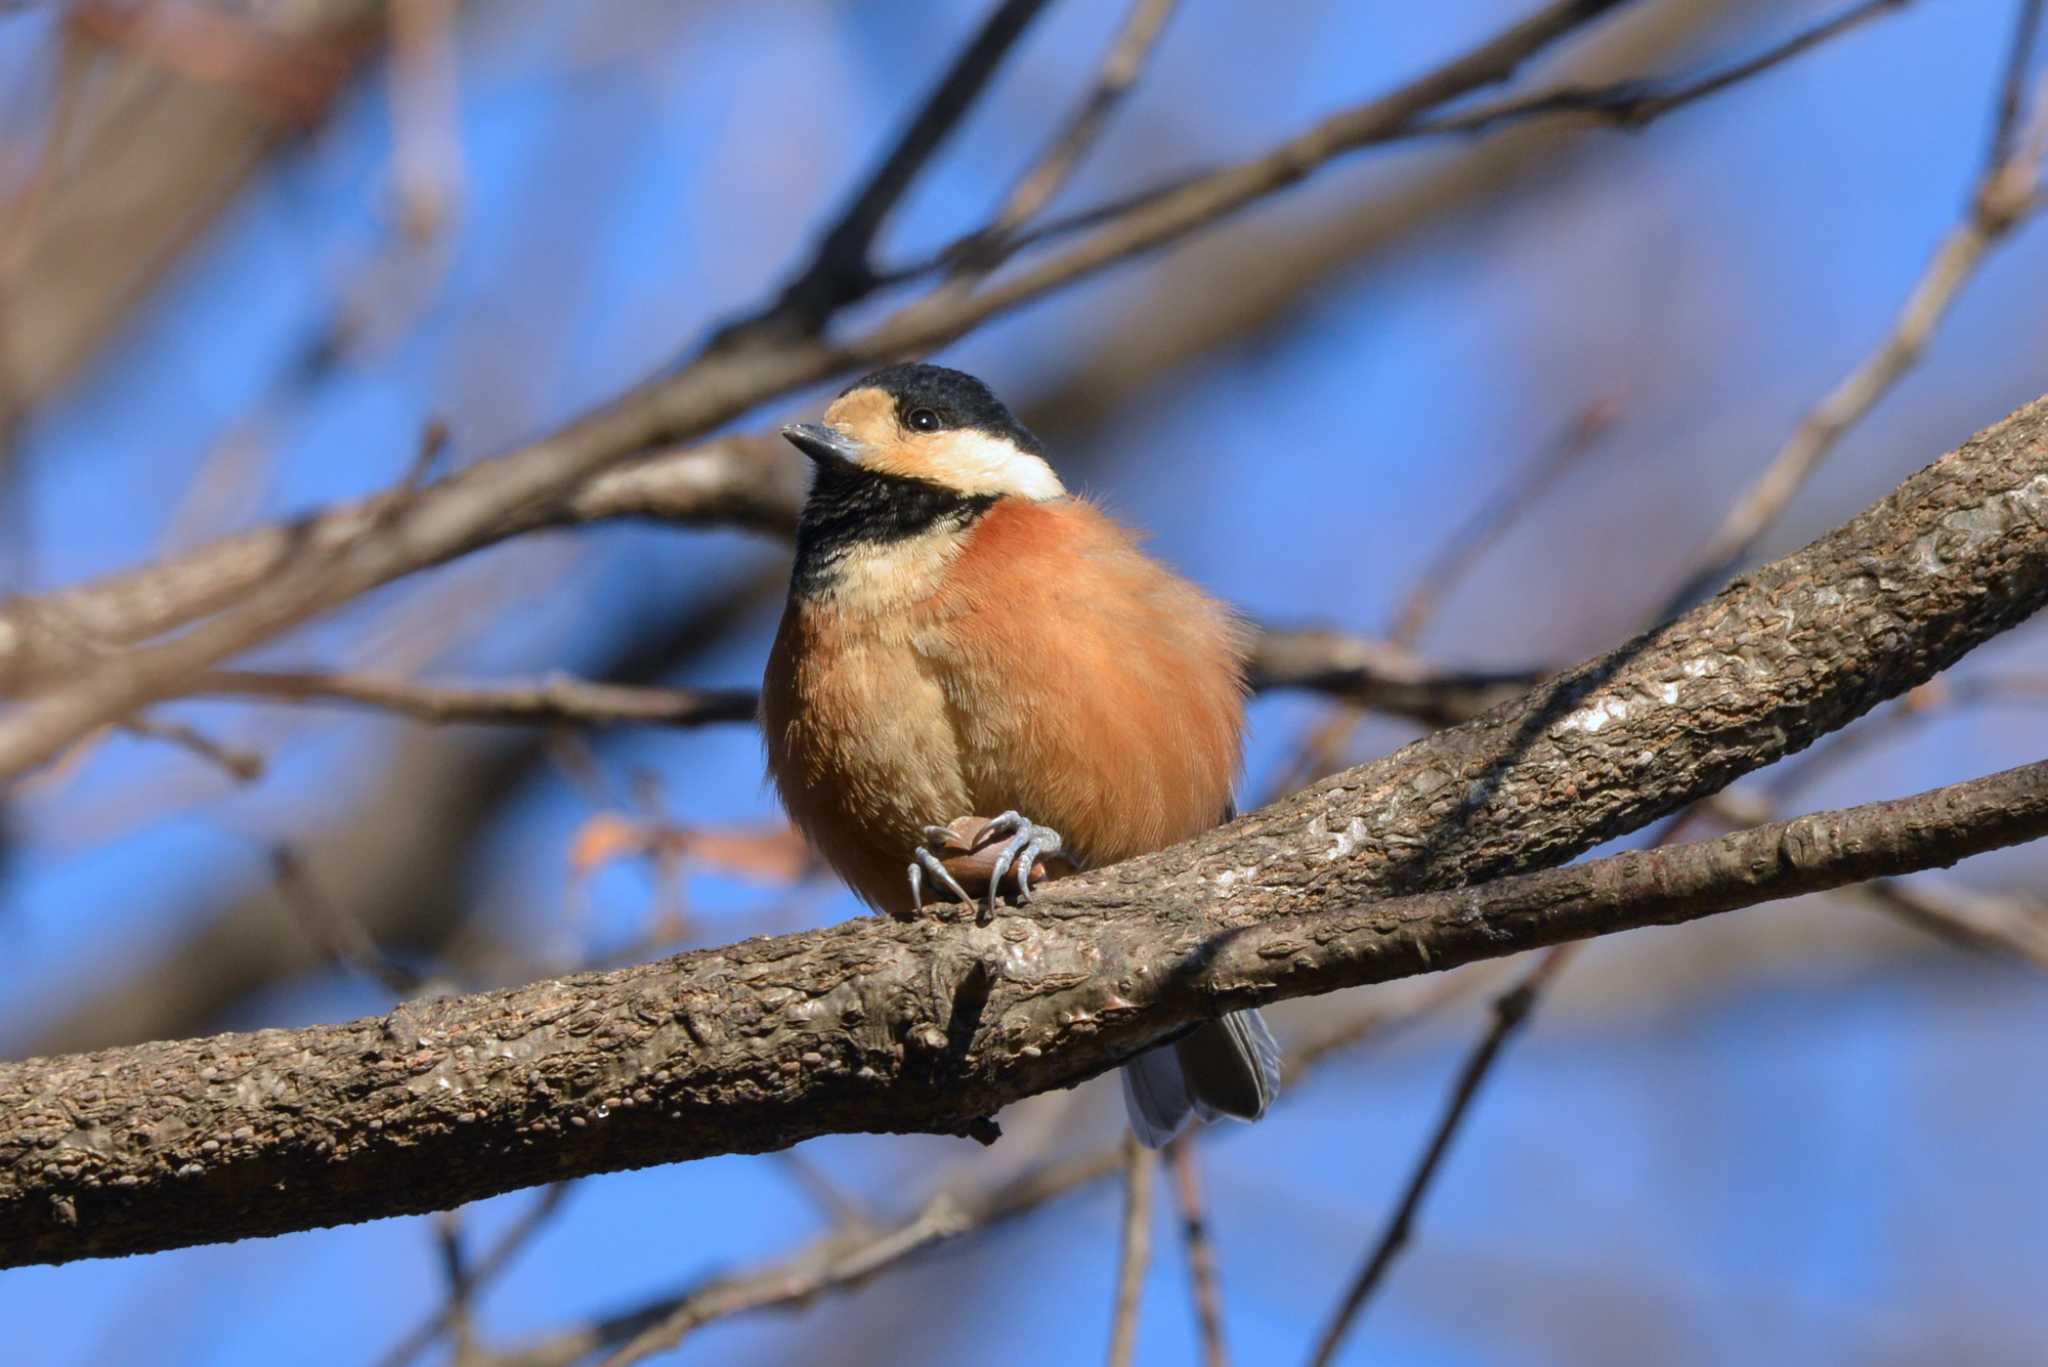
pixel 1028 842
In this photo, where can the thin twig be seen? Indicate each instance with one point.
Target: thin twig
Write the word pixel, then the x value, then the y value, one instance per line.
pixel 456 1272
pixel 337 933
pixel 1510 1010
pixel 2012 88
pixel 243 766
pixel 1136 1252
pixel 1200 1248
pixel 1631 104
pixel 1471 539
pixel 482 1273
pixel 1035 189
pixel 2005 196
pixel 556 698
pixel 841 271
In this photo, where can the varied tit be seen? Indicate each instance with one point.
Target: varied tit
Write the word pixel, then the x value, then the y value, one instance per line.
pixel 964 638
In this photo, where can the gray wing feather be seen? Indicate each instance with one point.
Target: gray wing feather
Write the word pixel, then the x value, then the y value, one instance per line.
pixel 1156 1096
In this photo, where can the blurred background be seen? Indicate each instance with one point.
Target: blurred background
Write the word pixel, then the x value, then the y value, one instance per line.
pixel 248 250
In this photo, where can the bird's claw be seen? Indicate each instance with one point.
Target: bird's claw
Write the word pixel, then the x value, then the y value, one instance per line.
pixel 926 861
pixel 1028 842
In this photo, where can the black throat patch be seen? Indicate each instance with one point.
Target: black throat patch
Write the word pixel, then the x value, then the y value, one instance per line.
pixel 850 507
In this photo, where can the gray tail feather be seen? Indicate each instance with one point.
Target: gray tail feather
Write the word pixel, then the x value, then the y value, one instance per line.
pixel 1227 1067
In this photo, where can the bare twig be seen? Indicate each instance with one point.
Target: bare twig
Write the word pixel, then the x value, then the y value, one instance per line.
pixel 2012 88
pixel 841 270
pixel 1135 1252
pixel 941 1219
pixel 455 1271
pixel 1631 104
pixel 723 382
pixel 557 698
pixel 1510 1011
pixel 1470 540
pixel 1380 676
pixel 1120 69
pixel 1200 1249
pixel 340 935
pixel 2005 196
pixel 243 766
pixel 481 1273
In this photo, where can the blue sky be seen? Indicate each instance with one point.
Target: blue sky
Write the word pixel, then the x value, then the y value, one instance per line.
pixel 1793 1136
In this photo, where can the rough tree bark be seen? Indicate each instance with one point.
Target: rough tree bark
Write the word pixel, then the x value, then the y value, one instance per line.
pixel 933 1025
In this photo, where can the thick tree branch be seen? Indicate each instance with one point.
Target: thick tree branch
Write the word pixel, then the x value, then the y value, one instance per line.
pixel 934 1025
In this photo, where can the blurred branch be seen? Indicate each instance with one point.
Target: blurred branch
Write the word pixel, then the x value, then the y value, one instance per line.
pixel 935 1024
pixel 1510 1010
pixel 481 1274
pixel 458 512
pixel 426 160
pixel 841 271
pixel 2006 194
pixel 400 860
pixel 1455 556
pixel 2012 88
pixel 754 482
pixel 1136 1252
pixel 1371 674
pixel 834 1270
pixel 1631 104
pixel 1133 44
pixel 1200 1249
pixel 1380 676
pixel 182 106
pixel 557 698
pixel 840 1261
pixel 340 935
pixel 243 766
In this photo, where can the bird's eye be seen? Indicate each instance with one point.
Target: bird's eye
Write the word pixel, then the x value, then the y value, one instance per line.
pixel 923 420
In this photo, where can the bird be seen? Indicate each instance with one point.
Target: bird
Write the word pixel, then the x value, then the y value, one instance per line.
pixel 965 638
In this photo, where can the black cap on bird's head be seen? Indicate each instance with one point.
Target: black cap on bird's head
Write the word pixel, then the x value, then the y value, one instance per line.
pixel 932 398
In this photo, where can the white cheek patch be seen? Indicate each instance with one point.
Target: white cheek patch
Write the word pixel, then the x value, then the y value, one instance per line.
pixel 977 463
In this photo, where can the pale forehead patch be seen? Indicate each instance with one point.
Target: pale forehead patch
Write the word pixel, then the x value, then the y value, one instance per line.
pixel 866 415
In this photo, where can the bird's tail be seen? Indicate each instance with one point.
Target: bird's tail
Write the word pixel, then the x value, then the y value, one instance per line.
pixel 1229 1066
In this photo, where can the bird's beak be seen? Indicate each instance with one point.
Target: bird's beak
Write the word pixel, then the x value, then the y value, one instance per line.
pixel 826 445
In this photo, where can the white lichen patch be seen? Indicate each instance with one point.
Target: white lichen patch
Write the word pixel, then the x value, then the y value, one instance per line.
pixel 1343 843
pixel 1595 715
